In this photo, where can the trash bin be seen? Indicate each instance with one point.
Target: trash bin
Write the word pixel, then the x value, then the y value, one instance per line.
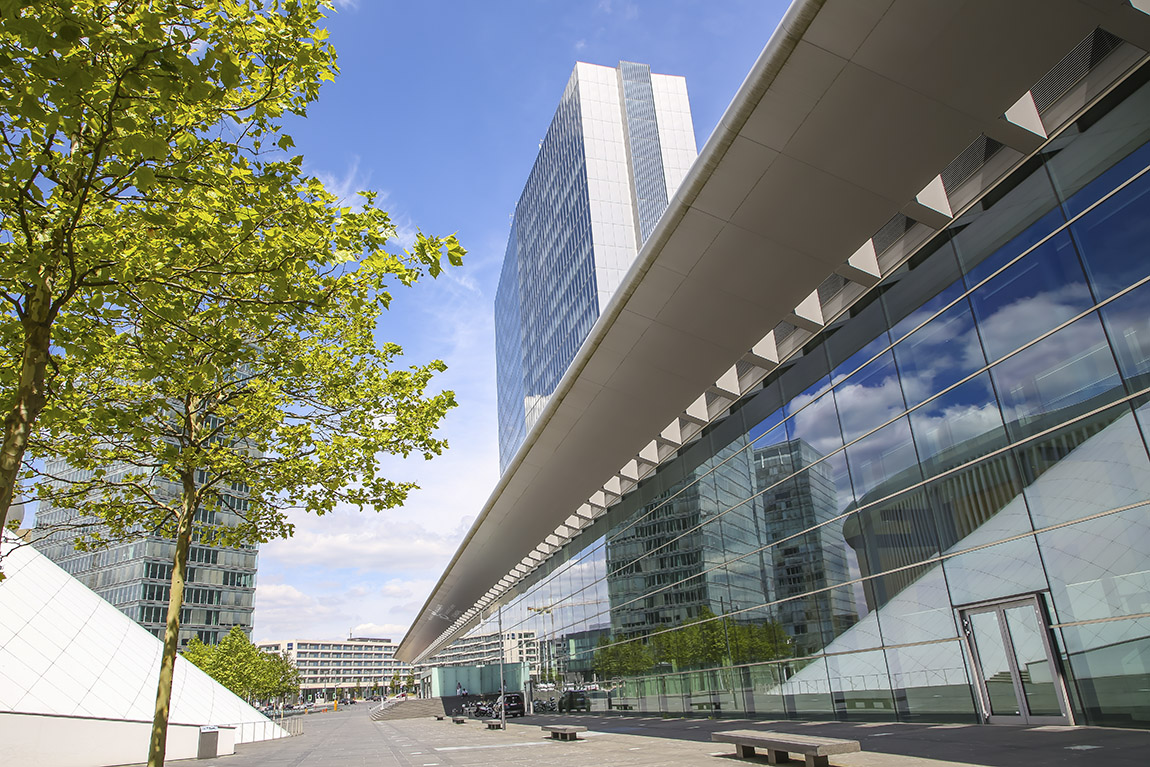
pixel 209 742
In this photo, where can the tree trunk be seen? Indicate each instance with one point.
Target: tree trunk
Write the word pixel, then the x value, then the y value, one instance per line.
pixel 31 391
pixel 159 744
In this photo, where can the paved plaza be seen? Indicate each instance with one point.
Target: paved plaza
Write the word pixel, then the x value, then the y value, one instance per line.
pixel 350 739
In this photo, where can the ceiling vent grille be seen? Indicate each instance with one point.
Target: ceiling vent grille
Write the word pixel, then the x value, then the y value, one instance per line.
pixel 969 161
pixel 830 286
pixel 782 330
pixel 1074 66
pixel 744 368
pixel 890 232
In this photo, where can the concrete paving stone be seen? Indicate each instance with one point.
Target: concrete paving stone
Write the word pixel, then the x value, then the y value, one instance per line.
pixel 350 739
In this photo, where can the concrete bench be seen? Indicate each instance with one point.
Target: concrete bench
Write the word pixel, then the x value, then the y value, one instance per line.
pixel 779 745
pixel 711 701
pixel 493 724
pixel 564 731
pixel 459 719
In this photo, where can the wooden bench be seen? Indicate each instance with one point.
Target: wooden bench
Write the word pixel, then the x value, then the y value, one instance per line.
pixel 779 745
pixel 564 731
pixel 493 724
pixel 459 719
pixel 439 717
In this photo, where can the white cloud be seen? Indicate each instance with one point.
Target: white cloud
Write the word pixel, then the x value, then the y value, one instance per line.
pixel 344 186
pixel 580 44
pixel 361 604
pixel 346 539
pixel 391 631
pixel 628 10
pixel 285 612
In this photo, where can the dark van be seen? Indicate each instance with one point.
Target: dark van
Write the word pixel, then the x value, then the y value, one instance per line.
pixel 513 703
pixel 574 700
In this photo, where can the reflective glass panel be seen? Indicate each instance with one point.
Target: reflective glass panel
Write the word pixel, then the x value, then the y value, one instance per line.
pixel 995 572
pixel 1062 375
pixel 931 682
pixel 1100 568
pixel 808 689
pixel 1113 239
pixel 1021 212
pixel 1091 466
pixel 869 398
pixel 1109 149
pixel 861 686
pixel 765 682
pixel 920 289
pixel 958 426
pixel 994 663
pixel 857 339
pixel 916 608
pixel 1032 661
pixel 1111 666
pixel 1036 293
pixel 1127 321
pixel 888 536
pixel 884 462
pixel 940 353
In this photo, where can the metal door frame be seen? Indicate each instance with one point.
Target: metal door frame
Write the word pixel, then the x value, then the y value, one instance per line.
pixel 982 695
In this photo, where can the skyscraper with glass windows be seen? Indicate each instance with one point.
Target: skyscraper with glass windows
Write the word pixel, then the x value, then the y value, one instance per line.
pixel 135 575
pixel 616 151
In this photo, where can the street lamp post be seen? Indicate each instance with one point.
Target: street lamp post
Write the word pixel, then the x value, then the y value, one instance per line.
pixel 502 685
pixel 730 656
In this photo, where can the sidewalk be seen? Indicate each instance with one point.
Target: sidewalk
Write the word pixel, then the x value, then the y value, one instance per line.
pixel 348 738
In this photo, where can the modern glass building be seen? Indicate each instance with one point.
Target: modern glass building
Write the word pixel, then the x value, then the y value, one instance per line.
pixel 617 149
pixel 923 494
pixel 135 575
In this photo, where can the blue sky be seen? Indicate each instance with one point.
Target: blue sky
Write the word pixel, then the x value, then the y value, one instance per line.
pixel 440 107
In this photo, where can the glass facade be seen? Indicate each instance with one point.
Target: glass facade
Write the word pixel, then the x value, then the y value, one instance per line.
pixel 596 190
pixel 937 510
pixel 135 576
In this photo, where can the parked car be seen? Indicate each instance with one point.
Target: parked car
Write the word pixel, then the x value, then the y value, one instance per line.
pixel 574 700
pixel 513 703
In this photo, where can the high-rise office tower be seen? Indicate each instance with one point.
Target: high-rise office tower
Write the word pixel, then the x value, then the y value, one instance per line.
pixel 617 149
pixel 135 575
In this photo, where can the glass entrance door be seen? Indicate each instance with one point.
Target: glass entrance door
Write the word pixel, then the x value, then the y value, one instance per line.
pixel 1018 678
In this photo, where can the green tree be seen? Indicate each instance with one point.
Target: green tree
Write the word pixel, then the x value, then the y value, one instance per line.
pixel 256 394
pixel 249 672
pixel 621 657
pixel 279 678
pixel 699 643
pixel 751 643
pixel 187 314
pixel 111 112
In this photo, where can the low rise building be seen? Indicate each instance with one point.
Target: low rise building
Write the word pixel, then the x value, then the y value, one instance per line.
pixel 484 649
pixel 359 666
